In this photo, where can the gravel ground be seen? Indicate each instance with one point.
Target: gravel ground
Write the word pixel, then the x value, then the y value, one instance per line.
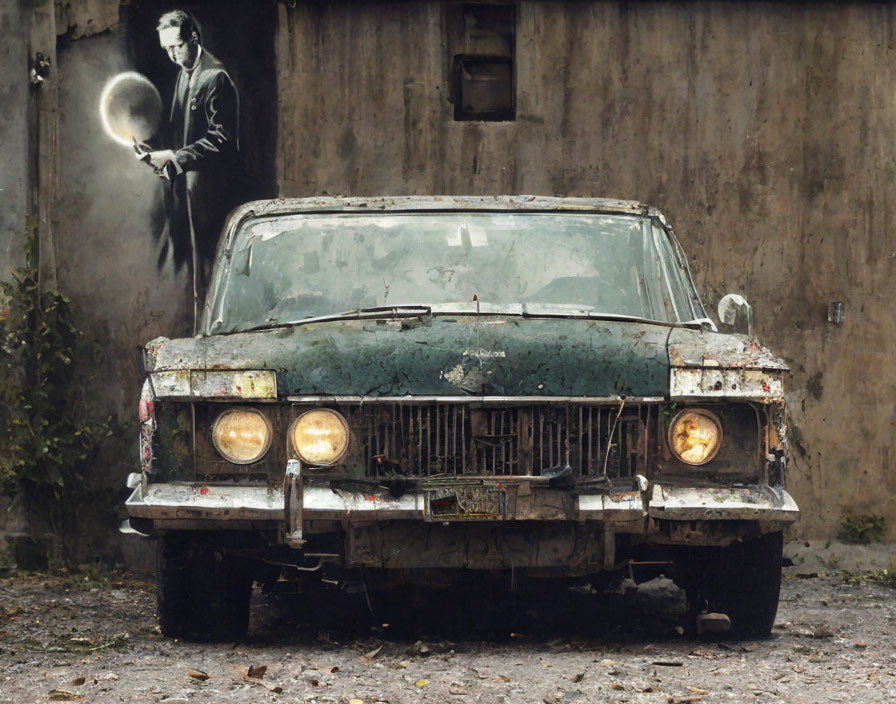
pixel 93 638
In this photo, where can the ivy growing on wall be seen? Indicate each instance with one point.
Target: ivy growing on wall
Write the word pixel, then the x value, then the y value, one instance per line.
pixel 48 443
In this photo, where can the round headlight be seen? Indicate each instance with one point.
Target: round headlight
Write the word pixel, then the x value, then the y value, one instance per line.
pixel 695 436
pixel 320 437
pixel 242 436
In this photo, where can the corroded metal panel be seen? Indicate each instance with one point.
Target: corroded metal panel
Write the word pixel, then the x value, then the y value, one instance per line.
pixel 576 549
pixel 444 356
pixel 705 348
pixel 173 383
pixel 719 382
pixel 193 383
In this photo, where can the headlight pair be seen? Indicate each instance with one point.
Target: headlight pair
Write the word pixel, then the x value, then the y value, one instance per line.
pixel 318 437
pixel 695 436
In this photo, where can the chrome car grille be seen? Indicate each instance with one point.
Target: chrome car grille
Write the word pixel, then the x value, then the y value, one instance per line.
pixel 432 440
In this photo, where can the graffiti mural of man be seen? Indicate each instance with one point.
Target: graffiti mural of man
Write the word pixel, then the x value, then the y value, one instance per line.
pixel 202 168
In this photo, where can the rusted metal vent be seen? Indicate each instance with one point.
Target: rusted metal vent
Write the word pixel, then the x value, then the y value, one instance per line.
pixel 431 440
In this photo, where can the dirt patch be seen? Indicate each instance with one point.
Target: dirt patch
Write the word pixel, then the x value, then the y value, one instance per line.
pixel 63 638
pixel 820 557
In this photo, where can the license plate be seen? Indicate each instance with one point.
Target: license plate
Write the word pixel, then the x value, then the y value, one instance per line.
pixel 469 502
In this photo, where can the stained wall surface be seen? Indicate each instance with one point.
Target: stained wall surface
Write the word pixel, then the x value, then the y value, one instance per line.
pixel 14 107
pixel 763 130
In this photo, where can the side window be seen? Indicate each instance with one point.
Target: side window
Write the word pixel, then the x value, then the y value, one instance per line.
pixel 674 272
pixel 481 43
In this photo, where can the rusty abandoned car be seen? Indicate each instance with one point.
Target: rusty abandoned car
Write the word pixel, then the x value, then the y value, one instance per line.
pixel 412 390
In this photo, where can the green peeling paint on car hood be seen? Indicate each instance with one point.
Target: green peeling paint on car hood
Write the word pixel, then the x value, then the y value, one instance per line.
pixel 440 355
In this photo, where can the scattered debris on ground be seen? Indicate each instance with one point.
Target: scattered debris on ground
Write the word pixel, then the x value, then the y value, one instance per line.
pixel 66 639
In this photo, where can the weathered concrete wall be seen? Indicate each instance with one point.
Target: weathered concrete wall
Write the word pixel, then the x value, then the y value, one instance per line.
pixel 14 104
pixel 763 130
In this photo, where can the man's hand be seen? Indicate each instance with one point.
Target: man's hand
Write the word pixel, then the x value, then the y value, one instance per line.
pixel 142 149
pixel 160 159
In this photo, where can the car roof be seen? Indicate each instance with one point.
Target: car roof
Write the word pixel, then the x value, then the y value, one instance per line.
pixel 277 206
pixel 288 206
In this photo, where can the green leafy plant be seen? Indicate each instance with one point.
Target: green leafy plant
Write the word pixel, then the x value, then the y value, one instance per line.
pixel 886 577
pixel 862 528
pixel 48 441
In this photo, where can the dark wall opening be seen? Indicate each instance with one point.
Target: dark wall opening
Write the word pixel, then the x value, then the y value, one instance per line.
pixel 481 41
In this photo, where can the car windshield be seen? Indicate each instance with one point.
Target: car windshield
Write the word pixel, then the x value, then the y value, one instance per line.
pixel 287 269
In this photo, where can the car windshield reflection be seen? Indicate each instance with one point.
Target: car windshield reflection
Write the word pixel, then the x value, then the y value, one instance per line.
pixel 288 269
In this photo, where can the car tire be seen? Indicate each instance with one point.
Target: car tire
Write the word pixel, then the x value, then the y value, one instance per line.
pixel 742 581
pixel 202 593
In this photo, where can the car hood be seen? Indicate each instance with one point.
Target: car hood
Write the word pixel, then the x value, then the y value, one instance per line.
pixel 458 356
pixel 461 355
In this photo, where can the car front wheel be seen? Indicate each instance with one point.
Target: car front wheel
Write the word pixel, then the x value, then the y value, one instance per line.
pixel 742 581
pixel 202 593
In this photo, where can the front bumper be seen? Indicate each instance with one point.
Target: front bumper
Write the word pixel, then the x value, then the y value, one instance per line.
pixel 187 504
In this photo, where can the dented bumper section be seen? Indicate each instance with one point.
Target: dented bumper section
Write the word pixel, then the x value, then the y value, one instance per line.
pixel 180 504
pixel 189 501
pixel 741 503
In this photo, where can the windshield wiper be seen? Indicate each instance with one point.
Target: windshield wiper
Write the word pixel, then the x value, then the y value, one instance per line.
pixel 399 311
pixel 583 314
pixel 557 311
pixel 522 310
pixel 402 311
